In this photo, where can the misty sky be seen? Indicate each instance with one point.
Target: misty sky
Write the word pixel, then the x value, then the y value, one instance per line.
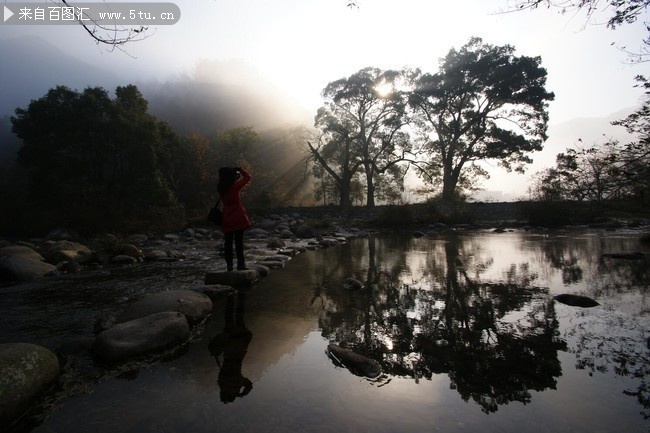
pixel 301 45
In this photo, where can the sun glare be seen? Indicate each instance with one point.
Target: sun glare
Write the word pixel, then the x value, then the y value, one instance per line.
pixel 384 89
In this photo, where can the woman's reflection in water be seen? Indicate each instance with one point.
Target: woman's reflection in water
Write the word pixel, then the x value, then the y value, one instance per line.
pixel 232 343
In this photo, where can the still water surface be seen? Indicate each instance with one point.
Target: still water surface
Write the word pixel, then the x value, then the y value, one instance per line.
pixel 464 327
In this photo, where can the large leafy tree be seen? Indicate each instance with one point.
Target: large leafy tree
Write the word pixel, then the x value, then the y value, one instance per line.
pixel 485 103
pixel 95 157
pixel 361 129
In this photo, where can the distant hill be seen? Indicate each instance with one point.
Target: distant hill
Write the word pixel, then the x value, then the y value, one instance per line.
pixel 217 95
pixel 31 66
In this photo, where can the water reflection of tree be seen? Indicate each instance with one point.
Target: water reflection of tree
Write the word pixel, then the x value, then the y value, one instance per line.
pixel 495 341
pixel 614 340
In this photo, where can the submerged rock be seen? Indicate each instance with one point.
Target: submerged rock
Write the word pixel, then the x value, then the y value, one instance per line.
pixel 625 256
pixel 192 304
pixel 150 334
pixel 26 371
pixel 576 300
pixel 352 284
pixel 358 365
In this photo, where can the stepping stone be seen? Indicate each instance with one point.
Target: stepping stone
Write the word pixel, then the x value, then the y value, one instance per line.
pixel 191 303
pixel 357 364
pixel 263 270
pixel 273 264
pixel 150 334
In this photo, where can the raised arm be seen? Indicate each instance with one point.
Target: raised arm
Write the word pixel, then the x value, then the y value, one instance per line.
pixel 244 179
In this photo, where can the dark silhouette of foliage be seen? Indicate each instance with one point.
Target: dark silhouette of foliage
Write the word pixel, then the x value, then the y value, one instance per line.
pixel 361 130
pixel 603 172
pixel 484 103
pixel 95 159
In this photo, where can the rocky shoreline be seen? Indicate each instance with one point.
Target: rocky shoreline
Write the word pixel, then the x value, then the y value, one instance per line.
pixel 150 326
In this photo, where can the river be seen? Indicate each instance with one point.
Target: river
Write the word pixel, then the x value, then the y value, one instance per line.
pixel 464 326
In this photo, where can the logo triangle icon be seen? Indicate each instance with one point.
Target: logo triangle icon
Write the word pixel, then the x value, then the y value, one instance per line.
pixel 7 13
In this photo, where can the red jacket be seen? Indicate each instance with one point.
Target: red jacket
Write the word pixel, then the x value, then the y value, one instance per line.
pixel 234 215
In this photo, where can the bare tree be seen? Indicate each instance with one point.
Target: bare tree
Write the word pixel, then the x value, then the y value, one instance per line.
pixel 113 36
pixel 621 12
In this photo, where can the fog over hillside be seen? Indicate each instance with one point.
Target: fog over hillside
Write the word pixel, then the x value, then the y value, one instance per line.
pixel 219 95
pixel 214 95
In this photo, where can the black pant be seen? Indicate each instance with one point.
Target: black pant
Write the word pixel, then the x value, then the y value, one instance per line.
pixel 238 236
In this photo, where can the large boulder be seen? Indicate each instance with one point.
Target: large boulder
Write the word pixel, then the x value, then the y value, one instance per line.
pixel 20 268
pixel 234 278
pixel 26 371
pixel 147 335
pixel 192 304
pixel 22 251
pixel 63 251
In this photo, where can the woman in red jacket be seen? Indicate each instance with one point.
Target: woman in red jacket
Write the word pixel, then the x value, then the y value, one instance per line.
pixel 235 220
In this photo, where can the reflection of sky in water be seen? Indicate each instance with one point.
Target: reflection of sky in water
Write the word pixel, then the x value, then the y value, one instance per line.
pixel 464 327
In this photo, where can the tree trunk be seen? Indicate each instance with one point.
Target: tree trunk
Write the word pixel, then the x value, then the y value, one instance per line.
pixel 370 191
pixel 449 182
pixel 345 201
